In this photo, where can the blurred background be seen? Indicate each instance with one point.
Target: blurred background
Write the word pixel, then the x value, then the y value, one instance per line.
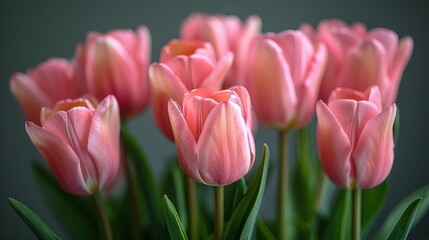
pixel 32 31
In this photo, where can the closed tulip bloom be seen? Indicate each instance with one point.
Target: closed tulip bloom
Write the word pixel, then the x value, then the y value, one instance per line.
pixel 355 138
pixel 116 63
pixel 284 76
pixel 359 58
pixel 213 135
pixel 44 85
pixel 80 143
pixel 185 65
pixel 226 34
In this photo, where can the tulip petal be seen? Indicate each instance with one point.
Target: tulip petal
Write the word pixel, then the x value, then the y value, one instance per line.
pixel 30 97
pixel 366 66
pixel 61 158
pixel 103 142
pixel 185 142
pixel 270 83
pixel 215 80
pixel 195 111
pixel 221 159
pixel 334 146
pixel 165 85
pixel 373 154
pixel 111 67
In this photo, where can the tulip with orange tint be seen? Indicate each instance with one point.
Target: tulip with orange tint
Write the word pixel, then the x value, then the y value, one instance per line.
pixel 184 65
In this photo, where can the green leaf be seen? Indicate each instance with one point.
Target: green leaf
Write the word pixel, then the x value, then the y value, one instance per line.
pixel 395 214
pixel 175 227
pixel 263 232
pixel 233 195
pixel 146 179
pixel 338 224
pixel 244 217
pixel 34 222
pixel 80 222
pixel 304 179
pixel 174 186
pixel 403 227
pixel 372 202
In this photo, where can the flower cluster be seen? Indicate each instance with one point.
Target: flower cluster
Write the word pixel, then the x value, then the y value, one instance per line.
pixel 208 92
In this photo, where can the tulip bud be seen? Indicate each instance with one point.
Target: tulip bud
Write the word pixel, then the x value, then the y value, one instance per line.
pixel 359 59
pixel 284 76
pixel 355 138
pixel 116 63
pixel 185 65
pixel 207 129
pixel 80 143
pixel 43 86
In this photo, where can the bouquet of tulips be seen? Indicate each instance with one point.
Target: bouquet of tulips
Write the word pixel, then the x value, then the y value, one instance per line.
pixel 209 91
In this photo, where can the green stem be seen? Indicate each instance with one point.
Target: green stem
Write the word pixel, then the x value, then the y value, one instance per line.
pixel 106 233
pixel 134 206
pixel 356 219
pixel 282 185
pixel 219 217
pixel 192 208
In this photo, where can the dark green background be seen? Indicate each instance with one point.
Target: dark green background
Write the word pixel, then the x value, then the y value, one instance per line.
pixel 33 31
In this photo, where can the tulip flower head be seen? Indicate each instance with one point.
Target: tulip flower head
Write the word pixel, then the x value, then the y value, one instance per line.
pixel 116 63
pixel 213 134
pixel 359 59
pixel 43 86
pixel 185 65
pixel 284 76
pixel 226 34
pixel 355 138
pixel 80 142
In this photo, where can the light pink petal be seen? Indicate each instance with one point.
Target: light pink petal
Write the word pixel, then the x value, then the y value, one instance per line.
pixel 165 85
pixel 298 51
pixel 195 111
pixel 185 143
pixel 192 70
pixel 373 155
pixel 388 39
pixel 109 66
pixel 62 160
pixel 216 78
pixel 334 146
pixel 365 67
pixel 245 104
pixel 221 160
pixel 29 96
pixel 270 85
pixel 401 59
pixel 308 89
pixel 103 142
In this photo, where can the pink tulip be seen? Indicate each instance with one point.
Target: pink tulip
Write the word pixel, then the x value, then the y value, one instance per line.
pixel 284 76
pixel 116 63
pixel 185 65
pixel 359 58
pixel 213 135
pixel 44 85
pixel 355 138
pixel 227 34
pixel 80 143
